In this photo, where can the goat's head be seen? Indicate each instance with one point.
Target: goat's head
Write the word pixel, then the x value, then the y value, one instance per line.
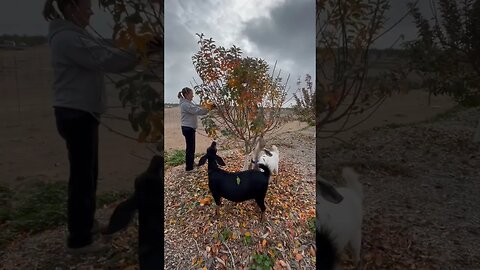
pixel 211 156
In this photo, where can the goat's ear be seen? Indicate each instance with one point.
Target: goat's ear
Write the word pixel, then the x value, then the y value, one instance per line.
pixel 268 152
pixel 328 192
pixel 202 160
pixel 220 160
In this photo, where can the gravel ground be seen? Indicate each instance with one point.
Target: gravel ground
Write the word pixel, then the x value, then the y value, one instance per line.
pixel 421 205
pixel 421 185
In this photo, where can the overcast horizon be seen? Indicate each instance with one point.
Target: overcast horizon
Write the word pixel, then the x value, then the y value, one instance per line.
pixel 274 30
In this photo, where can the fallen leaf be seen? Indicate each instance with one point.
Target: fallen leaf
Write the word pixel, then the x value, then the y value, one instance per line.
pixel 220 261
pixel 298 257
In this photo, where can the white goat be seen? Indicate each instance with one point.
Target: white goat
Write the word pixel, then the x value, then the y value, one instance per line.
pixel 251 159
pixel 270 159
pixel 339 224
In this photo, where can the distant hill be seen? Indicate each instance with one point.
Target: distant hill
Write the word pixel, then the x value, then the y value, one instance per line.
pixel 170 105
pixel 22 40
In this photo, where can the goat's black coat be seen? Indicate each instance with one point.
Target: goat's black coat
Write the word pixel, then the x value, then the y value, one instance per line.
pixel 327 255
pixel 235 186
pixel 148 200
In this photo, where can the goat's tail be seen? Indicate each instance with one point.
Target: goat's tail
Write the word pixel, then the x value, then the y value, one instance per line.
pixel 265 169
pixel 351 177
pixel 121 216
pixel 327 254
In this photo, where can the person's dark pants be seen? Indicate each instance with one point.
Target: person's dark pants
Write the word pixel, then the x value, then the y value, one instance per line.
pixel 79 129
pixel 189 134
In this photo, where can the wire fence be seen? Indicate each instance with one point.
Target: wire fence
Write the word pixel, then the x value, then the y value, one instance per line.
pixel 25 79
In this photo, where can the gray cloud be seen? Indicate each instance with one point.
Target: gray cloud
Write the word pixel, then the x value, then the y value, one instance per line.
pixel 406 27
pixel 288 29
pixel 286 36
pixel 284 32
pixel 179 48
pixel 25 17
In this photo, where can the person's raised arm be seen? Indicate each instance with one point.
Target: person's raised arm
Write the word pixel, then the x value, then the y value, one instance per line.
pixel 194 109
pixel 90 54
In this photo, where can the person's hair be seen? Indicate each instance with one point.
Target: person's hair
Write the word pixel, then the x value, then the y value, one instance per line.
pixel 184 91
pixel 49 11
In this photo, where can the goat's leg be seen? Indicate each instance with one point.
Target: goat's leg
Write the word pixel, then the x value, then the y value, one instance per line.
pixel 218 202
pixel 356 244
pixel 261 204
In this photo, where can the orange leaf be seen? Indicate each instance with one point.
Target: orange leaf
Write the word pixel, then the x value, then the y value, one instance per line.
pixel 298 257
pixel 142 137
pixel 205 201
pixel 123 40
pixel 141 42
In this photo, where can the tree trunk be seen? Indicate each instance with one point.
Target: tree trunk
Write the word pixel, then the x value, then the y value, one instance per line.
pixel 254 155
pixel 256 152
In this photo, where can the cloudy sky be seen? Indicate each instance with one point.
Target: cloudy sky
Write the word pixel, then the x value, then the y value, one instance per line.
pixel 25 17
pixel 274 30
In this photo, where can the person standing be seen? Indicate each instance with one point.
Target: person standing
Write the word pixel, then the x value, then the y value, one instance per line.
pixel 79 62
pixel 189 115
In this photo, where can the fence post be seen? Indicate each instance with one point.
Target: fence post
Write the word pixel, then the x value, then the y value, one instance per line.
pixel 15 67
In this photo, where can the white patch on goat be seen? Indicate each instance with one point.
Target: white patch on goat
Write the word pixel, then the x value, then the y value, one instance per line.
pixel 344 220
pixel 271 161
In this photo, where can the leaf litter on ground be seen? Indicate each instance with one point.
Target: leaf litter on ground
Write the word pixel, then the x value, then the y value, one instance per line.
pixel 233 238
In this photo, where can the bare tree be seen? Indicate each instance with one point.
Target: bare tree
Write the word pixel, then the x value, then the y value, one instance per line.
pixel 346 31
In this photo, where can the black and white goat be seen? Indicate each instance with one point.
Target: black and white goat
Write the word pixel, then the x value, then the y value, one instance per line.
pixel 147 199
pixel 235 186
pixel 339 220
pixel 270 158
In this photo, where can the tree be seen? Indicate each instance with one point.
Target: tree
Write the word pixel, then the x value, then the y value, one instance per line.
pixel 139 24
pixel 305 101
pixel 447 52
pixel 346 31
pixel 247 98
